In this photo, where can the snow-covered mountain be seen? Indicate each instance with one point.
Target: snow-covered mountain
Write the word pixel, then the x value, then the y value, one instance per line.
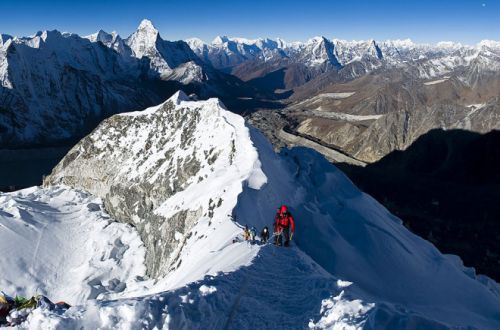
pixel 56 86
pixel 224 53
pixel 166 58
pixel 188 175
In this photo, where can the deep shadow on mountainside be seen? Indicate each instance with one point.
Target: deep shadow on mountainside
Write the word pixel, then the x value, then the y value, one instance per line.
pixel 446 188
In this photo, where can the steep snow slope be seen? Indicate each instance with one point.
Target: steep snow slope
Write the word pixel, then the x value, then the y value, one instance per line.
pixel 353 264
pixel 352 236
pixel 59 242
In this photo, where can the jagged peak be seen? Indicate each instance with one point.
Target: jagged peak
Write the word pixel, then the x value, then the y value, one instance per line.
pixel 144 38
pixel 281 43
pixel 100 35
pixel 147 30
pixel 317 39
pixel 44 35
pixel 146 24
pixel 492 44
pixel 179 97
pixel 220 40
pixel 195 42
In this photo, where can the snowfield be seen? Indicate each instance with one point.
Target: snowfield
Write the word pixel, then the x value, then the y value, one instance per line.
pixel 60 243
pixel 352 264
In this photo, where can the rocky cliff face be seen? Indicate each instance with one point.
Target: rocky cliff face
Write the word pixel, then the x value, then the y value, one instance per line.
pixel 155 169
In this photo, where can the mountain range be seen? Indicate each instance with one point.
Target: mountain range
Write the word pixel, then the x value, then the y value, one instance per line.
pixel 57 86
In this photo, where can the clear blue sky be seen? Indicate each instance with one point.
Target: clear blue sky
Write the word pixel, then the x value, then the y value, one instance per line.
pixel 423 21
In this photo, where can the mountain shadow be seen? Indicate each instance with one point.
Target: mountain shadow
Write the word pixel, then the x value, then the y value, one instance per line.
pixel 271 81
pixel 446 188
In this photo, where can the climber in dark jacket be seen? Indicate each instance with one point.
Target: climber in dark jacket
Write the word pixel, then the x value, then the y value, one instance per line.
pixel 264 235
pixel 283 222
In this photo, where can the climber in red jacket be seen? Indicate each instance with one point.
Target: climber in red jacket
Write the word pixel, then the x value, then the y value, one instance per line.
pixel 282 223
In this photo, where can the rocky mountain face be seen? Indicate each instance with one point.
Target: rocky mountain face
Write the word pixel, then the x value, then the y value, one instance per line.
pixel 150 168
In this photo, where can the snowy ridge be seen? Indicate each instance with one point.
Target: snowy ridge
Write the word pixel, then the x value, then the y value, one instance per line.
pixel 343 236
pixel 164 178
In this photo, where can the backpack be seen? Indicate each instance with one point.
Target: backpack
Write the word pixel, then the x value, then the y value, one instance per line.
pixel 284 219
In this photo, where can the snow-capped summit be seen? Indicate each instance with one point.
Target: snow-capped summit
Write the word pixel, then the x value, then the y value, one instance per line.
pixel 317 51
pixel 170 60
pixel 101 36
pixel 111 40
pixel 143 41
pixel 490 44
pixel 147 25
pixel 195 43
pixel 219 40
pixel 281 43
pixel 179 97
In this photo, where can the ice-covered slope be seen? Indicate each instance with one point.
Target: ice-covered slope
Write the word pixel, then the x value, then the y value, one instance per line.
pixel 142 165
pixel 61 243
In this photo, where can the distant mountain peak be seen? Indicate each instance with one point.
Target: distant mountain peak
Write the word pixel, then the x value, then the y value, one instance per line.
pixel 179 97
pixel 489 44
pixel 101 36
pixel 220 40
pixel 317 39
pixel 144 39
pixel 146 24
